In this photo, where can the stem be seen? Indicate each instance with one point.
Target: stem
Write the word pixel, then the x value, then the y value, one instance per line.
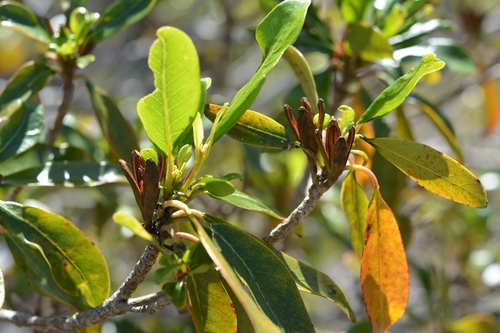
pixel 367 171
pixel 187 236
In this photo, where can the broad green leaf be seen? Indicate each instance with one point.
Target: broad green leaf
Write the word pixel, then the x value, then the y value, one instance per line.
pixel 117 131
pixel 254 128
pixel 118 16
pixel 354 205
pixel 274 34
pixel 266 276
pixel 367 42
pixel 78 274
pixel 385 279
pixel 132 224
pixel 16 16
pixel 354 10
pixel 169 111
pixel 433 170
pixel 22 131
pixel 67 174
pixel 215 186
pixel 80 23
pixel 395 94
pixel 2 290
pixel 243 200
pixel 211 308
pixel 312 281
pixel 261 323
pixel 27 81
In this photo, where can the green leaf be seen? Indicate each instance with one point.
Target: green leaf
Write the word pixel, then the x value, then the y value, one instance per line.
pixel 417 31
pixel 254 128
pixel 354 10
pixel 243 200
pixel 67 6
pixel 215 186
pixel 395 94
pixel 26 82
pixel 22 131
pixel 169 111
pixel 210 306
pixel 274 34
pixel 118 16
pixel 16 16
pixel 117 131
pixel 354 205
pixel 67 174
pixel 312 281
pixel 132 224
pixel 77 275
pixel 367 42
pixel 433 170
pixel 266 276
pixel 2 290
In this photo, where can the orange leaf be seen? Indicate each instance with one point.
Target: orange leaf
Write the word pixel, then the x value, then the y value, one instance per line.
pixel 385 279
pixel 492 104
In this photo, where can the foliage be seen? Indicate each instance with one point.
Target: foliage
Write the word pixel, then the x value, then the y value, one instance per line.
pixel 227 278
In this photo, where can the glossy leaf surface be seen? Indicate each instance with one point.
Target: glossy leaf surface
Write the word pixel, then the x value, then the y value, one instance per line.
pixel 169 111
pixel 77 275
pixel 433 170
pixel 367 42
pixel 215 186
pixel 385 279
pixel 16 16
pixel 243 200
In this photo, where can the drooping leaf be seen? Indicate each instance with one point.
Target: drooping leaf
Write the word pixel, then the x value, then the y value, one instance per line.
pixel 117 131
pixel 433 170
pixel 266 276
pixel 70 174
pixel 118 16
pixel 385 279
pixel 16 16
pixel 254 128
pixel 354 205
pixel 274 34
pixel 168 112
pixel 77 275
pixel 243 200
pixel 210 306
pixel 312 281
pixel 23 130
pixel 27 81
pixel 395 94
pixel 367 42
pixel 2 289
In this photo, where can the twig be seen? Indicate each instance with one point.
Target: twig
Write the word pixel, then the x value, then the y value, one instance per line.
pixel 55 128
pixel 117 304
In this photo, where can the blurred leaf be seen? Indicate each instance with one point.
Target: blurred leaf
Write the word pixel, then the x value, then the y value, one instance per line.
pixel 274 34
pixel 492 104
pixel 132 224
pixel 367 42
pixel 115 128
pixel 243 200
pixel 75 138
pixel 385 279
pixel 169 111
pixel 362 326
pixel 474 323
pixel 22 131
pixel 394 20
pixel 312 281
pixel 433 170
pixel 354 10
pixel 403 128
pixel 215 186
pixel 418 31
pixel 67 6
pixel 2 289
pixel 77 268
pixel 355 205
pixel 16 16
pixel 210 306
pixel 118 16
pixel 395 94
pixel 254 128
pixel 67 174
pixel 26 82
pixel 315 35
pixel 266 276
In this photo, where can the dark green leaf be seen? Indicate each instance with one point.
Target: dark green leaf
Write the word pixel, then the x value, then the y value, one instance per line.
pixel 243 200
pixel 118 16
pixel 23 130
pixel 266 276
pixel 15 15
pixel 26 82
pixel 77 275
pixel 367 42
pixel 115 128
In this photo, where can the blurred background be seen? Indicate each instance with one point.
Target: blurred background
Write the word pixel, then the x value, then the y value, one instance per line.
pixel 454 251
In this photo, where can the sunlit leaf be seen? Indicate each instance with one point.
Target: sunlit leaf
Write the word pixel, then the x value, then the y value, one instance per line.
pixel 2 289
pixel 367 42
pixel 355 205
pixel 385 279
pixel 433 170
pixel 168 112
pixel 78 274
pixel 417 31
pixel 132 224
pixel 118 16
pixel 16 16
pixel 23 130
pixel 243 200
pixel 395 94
pixel 353 10
pixel 475 323
pixel 117 131
pixel 67 6
pixel 215 186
